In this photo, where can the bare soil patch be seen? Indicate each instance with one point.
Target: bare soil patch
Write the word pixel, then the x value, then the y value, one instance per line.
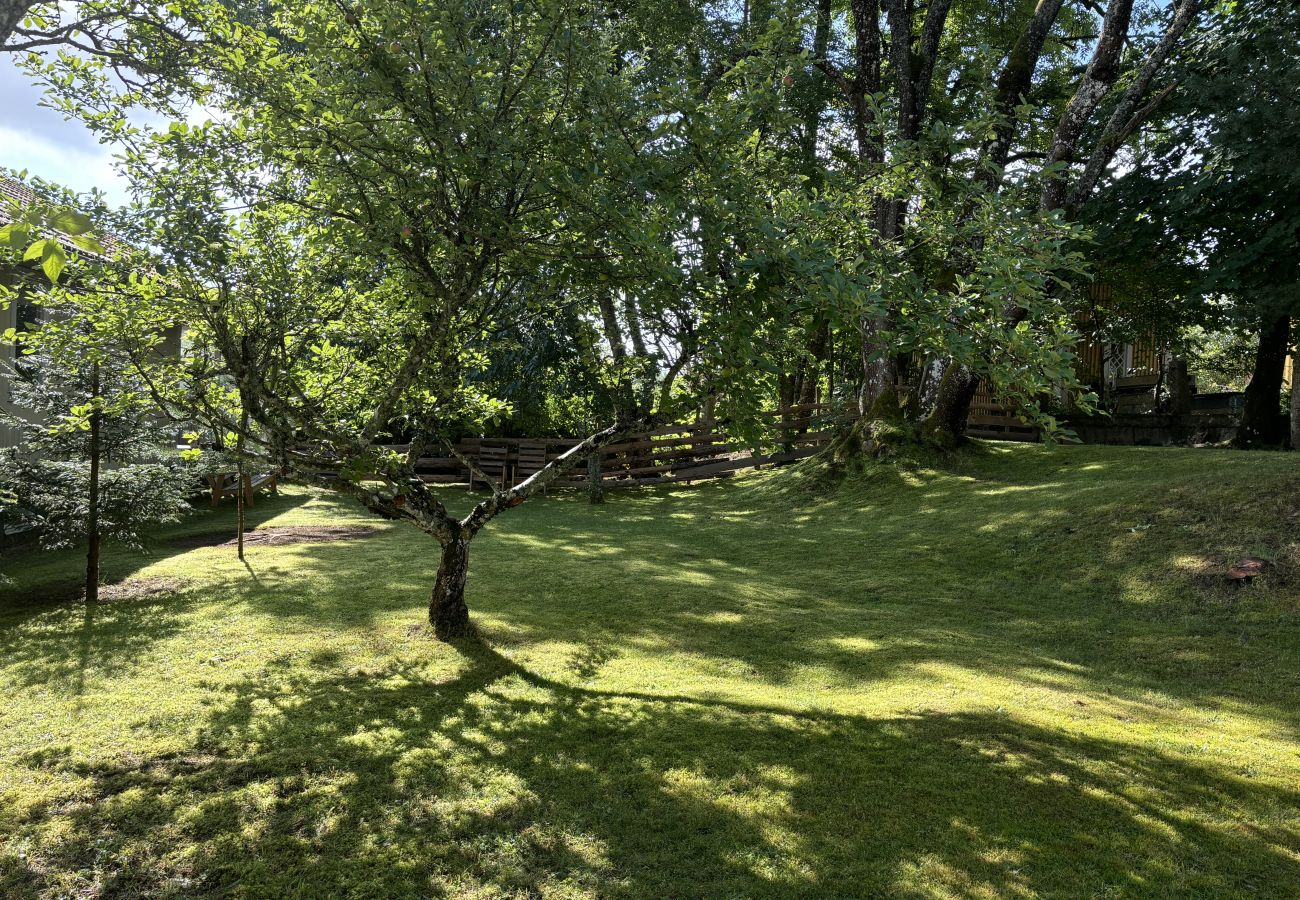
pixel 277 536
pixel 124 591
pixel 139 588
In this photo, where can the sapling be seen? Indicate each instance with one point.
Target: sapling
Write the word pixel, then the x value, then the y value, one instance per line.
pixel 92 463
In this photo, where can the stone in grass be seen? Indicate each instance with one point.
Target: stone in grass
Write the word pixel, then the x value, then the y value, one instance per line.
pixel 1246 570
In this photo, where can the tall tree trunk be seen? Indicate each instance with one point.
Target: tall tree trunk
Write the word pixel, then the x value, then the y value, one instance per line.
pixel 812 114
pixel 785 392
pixel 876 352
pixel 609 318
pixel 92 516
pixel 913 72
pixel 633 317
pixel 625 401
pixel 686 352
pixel 1295 391
pixel 1101 73
pixel 879 397
pixel 866 81
pixel 1013 83
pixel 813 365
pixel 1178 385
pixel 1261 420
pixel 1126 117
pixel 955 393
pixel 448 612
pixel 239 480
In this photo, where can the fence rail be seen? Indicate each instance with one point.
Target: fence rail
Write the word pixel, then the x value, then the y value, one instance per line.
pixel 671 453
pixel 989 418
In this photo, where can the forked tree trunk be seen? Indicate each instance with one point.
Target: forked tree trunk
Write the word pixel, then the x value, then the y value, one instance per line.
pixel 448 612
pixel 1261 419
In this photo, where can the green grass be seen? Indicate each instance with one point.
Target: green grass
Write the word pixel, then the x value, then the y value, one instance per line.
pixel 1020 677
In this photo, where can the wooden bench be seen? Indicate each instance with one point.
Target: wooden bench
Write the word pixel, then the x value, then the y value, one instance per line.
pixel 493 462
pixel 225 484
pixel 531 459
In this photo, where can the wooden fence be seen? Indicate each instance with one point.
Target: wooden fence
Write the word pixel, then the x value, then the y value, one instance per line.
pixel 990 419
pixel 658 456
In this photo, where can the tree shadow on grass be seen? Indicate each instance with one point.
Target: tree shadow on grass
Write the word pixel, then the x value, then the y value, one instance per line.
pixel 1094 574
pixel 315 782
pixel 49 578
pixel 859 596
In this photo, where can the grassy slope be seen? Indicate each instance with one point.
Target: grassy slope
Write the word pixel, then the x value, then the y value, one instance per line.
pixel 1022 678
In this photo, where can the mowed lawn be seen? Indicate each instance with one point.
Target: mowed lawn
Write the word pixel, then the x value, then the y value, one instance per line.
pixel 1021 676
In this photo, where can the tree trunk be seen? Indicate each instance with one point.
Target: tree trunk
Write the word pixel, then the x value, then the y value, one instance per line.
pixel 595 492
pixel 812 114
pixel 12 13
pixel 1178 386
pixel 240 485
pixel 1013 83
pixel 879 399
pixel 633 317
pixel 866 82
pixel 625 401
pixel 812 365
pixel 1295 392
pixel 946 424
pixel 92 516
pixel 609 318
pixel 1261 419
pixel 1097 80
pixel 448 613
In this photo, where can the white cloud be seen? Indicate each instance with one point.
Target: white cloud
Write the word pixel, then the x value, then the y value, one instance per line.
pixel 78 167
pixel 40 140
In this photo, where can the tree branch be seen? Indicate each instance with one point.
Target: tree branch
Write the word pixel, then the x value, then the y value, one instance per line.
pixel 488 509
pixel 1101 73
pixel 1126 116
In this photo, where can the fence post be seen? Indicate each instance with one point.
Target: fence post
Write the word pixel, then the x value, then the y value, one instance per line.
pixel 595 491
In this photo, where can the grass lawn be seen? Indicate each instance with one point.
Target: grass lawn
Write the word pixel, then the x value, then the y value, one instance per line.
pixel 1020 677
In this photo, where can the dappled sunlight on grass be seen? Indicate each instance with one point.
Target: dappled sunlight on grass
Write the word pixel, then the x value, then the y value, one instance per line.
pixel 1023 676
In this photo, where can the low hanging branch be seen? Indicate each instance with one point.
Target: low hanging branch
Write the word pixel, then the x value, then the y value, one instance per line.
pixel 488 509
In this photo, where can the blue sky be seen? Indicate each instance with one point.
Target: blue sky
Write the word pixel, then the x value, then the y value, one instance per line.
pixel 42 142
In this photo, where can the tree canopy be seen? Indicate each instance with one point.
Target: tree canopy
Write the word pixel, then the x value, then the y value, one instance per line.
pixel 403 222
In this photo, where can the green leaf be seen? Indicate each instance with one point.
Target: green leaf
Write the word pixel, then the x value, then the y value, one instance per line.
pixel 53 260
pixel 88 243
pixel 14 235
pixel 71 222
pixel 36 250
